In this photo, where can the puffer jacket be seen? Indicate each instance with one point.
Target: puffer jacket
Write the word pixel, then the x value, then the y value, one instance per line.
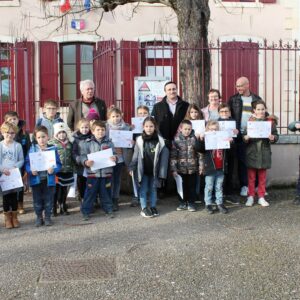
pixel 65 155
pixel 44 121
pixel 184 156
pixel 91 146
pixel 258 151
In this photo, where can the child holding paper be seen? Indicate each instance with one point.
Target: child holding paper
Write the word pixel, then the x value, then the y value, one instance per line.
pixel 81 135
pixel 225 115
pixel 184 162
pixel 98 181
pixel 62 139
pixel 42 182
pixel 213 166
pixel 142 111
pixel 258 154
pixel 11 156
pixel 150 163
pixel 116 122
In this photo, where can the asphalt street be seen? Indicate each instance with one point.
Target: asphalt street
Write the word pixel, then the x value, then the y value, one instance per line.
pixel 250 253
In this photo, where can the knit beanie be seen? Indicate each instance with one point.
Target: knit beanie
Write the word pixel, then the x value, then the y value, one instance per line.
pixel 93 115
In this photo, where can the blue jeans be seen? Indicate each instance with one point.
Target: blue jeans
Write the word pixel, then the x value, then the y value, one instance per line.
pixel 116 181
pixel 95 186
pixel 43 195
pixel 148 186
pixel 214 181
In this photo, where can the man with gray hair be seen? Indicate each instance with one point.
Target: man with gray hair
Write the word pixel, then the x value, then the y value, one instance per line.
pixel 87 105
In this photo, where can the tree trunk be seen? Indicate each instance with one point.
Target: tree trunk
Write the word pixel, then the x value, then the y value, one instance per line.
pixel 194 57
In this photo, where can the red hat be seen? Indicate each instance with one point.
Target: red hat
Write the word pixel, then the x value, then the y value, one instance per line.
pixel 93 115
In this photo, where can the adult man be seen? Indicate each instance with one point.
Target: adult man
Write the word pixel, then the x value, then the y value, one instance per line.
pixel 169 113
pixel 241 109
pixel 88 102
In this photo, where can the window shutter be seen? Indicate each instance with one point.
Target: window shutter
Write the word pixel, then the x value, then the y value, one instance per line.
pixel 267 1
pixel 48 61
pixel 24 66
pixel 130 68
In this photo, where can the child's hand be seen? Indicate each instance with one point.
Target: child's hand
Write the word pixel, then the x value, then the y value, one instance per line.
pixel 50 171
pixel 89 163
pixel 235 131
pixel 130 173
pixel 246 138
pixel 201 136
pixel 113 158
pixel 132 126
pixel 6 172
pixel 230 140
pixel 271 137
pixel 34 173
pixel 297 125
pixel 201 171
pixel 174 174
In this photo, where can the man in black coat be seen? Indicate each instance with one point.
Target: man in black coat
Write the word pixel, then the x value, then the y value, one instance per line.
pixel 169 113
pixel 241 109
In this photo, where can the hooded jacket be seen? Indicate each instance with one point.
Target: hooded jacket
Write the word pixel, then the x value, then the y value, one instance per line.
pixel 44 121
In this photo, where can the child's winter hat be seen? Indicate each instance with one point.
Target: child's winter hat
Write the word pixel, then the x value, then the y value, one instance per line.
pixel 93 115
pixel 58 127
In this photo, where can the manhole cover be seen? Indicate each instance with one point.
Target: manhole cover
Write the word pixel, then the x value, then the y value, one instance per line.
pixel 69 270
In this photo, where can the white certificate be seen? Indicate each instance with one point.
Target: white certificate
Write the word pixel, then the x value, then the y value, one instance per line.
pixel 121 138
pixel 259 129
pixel 216 140
pixel 228 126
pixel 198 126
pixel 12 181
pixel 178 180
pixel 42 160
pixel 138 124
pixel 101 159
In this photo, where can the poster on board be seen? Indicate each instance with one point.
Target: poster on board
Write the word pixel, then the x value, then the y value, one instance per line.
pixel 148 91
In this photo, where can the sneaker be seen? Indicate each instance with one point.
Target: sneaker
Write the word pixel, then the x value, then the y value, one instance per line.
pixel 232 200
pixel 182 207
pixel 154 211
pixel 85 217
pixel 191 208
pixel 209 209
pixel 146 213
pixel 244 191
pixel 110 215
pixel 48 222
pixel 223 209
pixel 250 201
pixel 263 202
pixel 39 222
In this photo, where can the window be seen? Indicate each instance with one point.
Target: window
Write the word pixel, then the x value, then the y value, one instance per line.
pixel 76 65
pixel 6 69
pixel 9 3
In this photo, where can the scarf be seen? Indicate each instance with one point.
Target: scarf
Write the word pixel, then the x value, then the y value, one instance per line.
pixel 120 126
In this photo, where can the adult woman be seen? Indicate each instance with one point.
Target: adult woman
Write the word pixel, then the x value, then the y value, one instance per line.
pixel 210 112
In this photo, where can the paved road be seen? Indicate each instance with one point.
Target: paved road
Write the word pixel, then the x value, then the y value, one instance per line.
pixel 251 253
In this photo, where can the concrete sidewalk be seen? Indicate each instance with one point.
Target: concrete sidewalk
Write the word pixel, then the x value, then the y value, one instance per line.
pixel 251 253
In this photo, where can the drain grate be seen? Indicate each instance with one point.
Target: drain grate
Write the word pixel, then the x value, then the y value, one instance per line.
pixel 70 270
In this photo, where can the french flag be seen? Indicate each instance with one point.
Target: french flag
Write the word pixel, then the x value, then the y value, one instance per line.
pixel 64 6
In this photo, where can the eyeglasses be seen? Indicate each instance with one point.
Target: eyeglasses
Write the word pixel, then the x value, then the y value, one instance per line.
pixel 10 133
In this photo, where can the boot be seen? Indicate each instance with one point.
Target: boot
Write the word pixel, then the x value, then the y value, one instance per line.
pixel 115 204
pixel 21 208
pixel 8 220
pixel 15 220
pixel 65 208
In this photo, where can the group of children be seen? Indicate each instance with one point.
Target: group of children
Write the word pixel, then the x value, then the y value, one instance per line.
pixel 148 164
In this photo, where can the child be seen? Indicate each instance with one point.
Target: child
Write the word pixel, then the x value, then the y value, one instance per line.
pixel 50 117
pixel 194 113
pixel 80 136
pixel 213 166
pixel 115 122
pixel 150 162
pixel 65 177
pixel 258 154
pixel 11 156
pixel 23 138
pixel 99 181
pixel 225 115
pixel 184 162
pixel 142 111
pixel 42 182
pixel 295 126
